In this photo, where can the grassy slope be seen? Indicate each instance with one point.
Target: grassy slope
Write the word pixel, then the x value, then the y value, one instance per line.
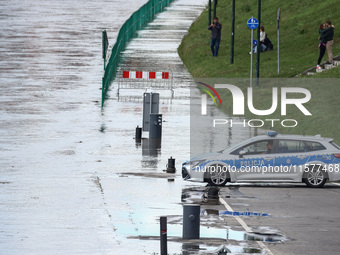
pixel 298 37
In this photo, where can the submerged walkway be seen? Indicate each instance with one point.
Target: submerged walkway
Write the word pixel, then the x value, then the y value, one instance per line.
pixel 136 214
pixel 155 47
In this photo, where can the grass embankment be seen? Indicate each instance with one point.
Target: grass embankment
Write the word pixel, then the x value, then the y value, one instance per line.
pixel 298 52
pixel 298 38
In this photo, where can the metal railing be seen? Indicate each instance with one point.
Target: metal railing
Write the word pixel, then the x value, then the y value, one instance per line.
pixel 136 21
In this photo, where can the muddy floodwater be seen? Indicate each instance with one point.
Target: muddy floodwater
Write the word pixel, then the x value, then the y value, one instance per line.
pixel 73 180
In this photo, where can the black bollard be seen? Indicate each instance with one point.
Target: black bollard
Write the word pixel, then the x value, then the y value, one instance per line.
pixel 170 167
pixel 138 136
pixel 164 235
pixel 191 221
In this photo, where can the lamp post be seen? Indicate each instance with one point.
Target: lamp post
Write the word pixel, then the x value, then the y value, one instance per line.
pixel 209 14
pixel 232 34
pixel 258 45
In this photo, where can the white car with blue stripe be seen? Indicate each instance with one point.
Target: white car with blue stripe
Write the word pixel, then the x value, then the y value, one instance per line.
pixel 269 158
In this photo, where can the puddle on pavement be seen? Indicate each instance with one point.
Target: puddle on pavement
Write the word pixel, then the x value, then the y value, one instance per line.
pixel 212 225
pixel 212 238
pixel 206 195
pixel 170 177
pixel 200 195
pixel 210 249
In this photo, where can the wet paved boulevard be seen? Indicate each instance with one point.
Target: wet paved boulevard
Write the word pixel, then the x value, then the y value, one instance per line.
pixel 73 180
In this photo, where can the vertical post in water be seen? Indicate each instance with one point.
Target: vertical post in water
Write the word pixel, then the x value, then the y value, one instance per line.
pixel 232 34
pixel 209 14
pixel 258 45
pixel 150 102
pixel 138 135
pixel 104 48
pixel 191 221
pixel 164 245
pixel 278 40
pixel 103 92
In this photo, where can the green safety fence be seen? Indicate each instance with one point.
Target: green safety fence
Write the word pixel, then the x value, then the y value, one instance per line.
pixel 136 21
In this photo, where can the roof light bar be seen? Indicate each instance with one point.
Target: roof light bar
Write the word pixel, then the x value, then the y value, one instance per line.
pixel 272 133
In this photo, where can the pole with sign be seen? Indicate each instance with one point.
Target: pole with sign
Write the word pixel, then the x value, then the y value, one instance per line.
pixel 278 40
pixel 252 25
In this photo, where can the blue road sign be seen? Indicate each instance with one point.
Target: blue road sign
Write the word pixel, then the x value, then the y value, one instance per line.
pixel 252 23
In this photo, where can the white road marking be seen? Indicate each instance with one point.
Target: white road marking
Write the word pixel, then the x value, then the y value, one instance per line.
pixel 336 183
pixel 245 226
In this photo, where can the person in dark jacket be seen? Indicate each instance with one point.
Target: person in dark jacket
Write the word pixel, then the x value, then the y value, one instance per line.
pixel 326 39
pixel 215 36
pixel 322 44
pixel 329 34
pixel 268 44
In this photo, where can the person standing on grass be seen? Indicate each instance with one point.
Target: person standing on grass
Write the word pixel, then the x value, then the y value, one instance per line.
pixel 322 44
pixel 215 36
pixel 329 34
pixel 326 40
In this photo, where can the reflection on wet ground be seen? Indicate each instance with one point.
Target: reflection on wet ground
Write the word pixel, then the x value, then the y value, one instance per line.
pixel 215 226
pixel 200 195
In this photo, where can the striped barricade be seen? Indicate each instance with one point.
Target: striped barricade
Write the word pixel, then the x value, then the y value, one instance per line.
pixel 134 79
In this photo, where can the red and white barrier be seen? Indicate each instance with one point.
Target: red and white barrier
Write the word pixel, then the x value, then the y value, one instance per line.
pixel 145 75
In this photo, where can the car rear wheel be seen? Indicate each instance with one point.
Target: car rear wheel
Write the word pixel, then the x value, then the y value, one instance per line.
pixel 315 177
pixel 218 175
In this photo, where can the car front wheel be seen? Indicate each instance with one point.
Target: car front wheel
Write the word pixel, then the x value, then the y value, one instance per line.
pixel 315 177
pixel 218 176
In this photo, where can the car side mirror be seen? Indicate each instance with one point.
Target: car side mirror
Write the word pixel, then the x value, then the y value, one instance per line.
pixel 241 153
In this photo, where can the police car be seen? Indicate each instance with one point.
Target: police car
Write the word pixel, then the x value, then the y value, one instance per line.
pixel 269 158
